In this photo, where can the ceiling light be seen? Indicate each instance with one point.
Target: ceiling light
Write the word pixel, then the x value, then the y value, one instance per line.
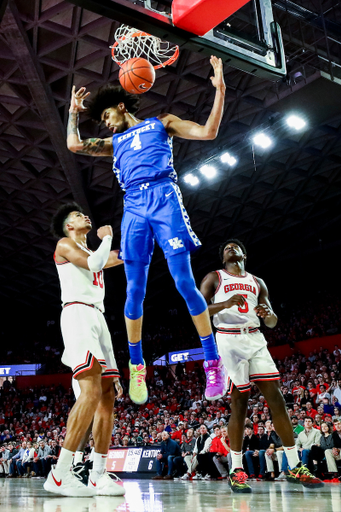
pixel 208 170
pixel 262 140
pixel 191 179
pixel 295 122
pixel 226 158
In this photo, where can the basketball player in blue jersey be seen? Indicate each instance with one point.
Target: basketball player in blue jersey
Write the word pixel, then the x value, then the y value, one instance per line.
pixel 153 210
pixel 237 300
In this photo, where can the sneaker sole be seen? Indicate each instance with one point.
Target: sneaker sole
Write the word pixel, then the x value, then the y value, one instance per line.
pixel 138 402
pixel 246 490
pixel 309 486
pixel 74 494
pixel 114 493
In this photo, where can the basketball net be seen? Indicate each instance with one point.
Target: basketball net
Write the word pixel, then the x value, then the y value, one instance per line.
pixel 131 43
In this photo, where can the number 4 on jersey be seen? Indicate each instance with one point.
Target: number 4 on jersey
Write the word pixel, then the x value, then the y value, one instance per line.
pixel 136 142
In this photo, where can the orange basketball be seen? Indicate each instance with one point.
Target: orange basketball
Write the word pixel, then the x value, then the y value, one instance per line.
pixel 137 75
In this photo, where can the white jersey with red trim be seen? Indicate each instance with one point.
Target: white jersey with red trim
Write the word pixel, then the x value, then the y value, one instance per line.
pixel 229 285
pixel 80 285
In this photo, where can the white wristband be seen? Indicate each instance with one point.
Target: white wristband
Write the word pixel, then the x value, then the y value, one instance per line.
pixel 98 259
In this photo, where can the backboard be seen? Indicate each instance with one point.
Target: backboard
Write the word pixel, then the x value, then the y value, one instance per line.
pixel 249 39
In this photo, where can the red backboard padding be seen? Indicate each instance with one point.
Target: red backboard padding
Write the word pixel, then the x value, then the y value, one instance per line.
pixel 200 16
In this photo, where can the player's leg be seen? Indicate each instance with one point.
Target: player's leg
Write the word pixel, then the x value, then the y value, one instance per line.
pixel 297 472
pixel 238 477
pixel 61 480
pixel 99 480
pixel 137 244
pixel 180 268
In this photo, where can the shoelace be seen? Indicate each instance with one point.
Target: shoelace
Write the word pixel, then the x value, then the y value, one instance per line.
pixel 212 376
pixel 303 470
pixel 140 376
pixel 241 477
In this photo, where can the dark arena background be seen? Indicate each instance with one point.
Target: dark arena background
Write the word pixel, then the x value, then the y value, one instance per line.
pixel 271 178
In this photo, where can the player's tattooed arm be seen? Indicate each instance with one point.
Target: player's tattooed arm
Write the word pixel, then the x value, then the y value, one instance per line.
pixel 92 147
pixel 264 309
pixel 96 147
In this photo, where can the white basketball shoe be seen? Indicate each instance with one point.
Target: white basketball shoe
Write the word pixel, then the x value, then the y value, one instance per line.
pixel 67 484
pixel 106 486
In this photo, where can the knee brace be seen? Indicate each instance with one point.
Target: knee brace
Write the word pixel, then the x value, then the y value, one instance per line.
pixel 180 268
pixel 137 275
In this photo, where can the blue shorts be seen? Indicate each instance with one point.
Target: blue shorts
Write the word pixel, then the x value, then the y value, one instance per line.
pixel 155 211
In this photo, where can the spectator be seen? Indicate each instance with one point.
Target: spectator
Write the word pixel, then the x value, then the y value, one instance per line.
pixel 333 454
pixel 169 450
pixel 297 428
pixel 306 439
pixel 41 462
pixel 337 391
pixel 250 449
pixel 4 456
pixel 222 457
pixel 16 461
pixel 202 447
pixel 326 443
pixel 187 449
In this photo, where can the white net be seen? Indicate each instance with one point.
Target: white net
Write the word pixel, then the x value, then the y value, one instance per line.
pixel 131 43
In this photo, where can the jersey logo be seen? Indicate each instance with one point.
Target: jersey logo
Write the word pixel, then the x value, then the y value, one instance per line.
pixel 56 481
pixel 176 243
pixel 144 186
pixel 170 193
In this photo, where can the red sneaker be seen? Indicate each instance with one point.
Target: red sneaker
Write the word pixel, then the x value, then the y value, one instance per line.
pixel 301 475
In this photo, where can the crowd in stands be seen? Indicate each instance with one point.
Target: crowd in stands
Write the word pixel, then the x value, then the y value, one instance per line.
pixel 190 431
pixel 315 318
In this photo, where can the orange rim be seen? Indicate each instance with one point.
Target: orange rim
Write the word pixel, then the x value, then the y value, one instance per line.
pixel 168 62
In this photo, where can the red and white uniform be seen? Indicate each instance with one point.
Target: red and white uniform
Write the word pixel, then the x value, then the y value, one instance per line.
pixel 241 345
pixel 85 332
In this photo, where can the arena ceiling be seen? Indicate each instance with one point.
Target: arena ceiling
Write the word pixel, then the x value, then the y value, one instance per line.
pixel 283 203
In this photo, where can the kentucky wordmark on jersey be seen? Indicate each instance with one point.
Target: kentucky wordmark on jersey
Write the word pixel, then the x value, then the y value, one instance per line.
pixel 143 153
pixel 229 285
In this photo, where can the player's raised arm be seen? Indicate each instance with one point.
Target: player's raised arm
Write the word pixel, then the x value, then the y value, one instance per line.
pixel 189 130
pixel 68 250
pixel 264 309
pixel 92 147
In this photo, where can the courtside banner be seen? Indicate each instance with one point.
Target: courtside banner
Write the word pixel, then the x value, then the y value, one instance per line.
pixel 18 369
pixel 132 460
pixel 194 354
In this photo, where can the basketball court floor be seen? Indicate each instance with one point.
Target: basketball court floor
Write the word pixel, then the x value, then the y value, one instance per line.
pixel 148 496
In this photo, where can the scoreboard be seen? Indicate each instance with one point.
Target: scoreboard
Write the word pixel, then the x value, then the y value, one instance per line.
pixel 133 462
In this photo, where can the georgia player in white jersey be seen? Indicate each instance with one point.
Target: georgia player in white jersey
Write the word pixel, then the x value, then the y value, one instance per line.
pixel 237 300
pixel 88 350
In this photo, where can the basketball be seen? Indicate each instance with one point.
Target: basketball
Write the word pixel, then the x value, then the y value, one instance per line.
pixel 137 75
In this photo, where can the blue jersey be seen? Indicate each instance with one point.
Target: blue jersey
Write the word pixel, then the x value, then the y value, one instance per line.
pixel 143 153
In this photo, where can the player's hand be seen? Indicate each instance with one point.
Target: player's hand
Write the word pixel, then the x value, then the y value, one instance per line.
pixel 119 389
pixel 218 79
pixel 104 231
pixel 263 310
pixel 77 99
pixel 235 300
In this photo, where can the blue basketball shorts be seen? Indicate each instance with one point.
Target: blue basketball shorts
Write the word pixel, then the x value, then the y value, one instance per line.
pixel 155 211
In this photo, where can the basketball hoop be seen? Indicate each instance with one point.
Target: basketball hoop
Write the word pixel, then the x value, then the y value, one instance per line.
pixel 133 43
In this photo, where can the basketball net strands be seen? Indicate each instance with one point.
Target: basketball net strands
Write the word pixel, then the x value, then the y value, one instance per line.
pixel 132 43
pixel 261 54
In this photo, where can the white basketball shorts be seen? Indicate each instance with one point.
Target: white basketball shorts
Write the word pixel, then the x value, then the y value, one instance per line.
pixel 246 358
pixel 86 338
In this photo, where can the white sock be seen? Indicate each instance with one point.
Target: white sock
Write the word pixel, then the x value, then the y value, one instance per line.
pixel 292 456
pixel 100 460
pixel 237 460
pixel 78 457
pixel 65 460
